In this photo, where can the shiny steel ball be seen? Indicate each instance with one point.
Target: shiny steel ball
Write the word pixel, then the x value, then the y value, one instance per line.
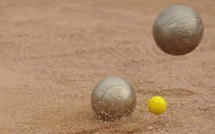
pixel 178 30
pixel 113 98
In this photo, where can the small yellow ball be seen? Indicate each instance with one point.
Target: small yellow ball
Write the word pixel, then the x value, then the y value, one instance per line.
pixel 157 105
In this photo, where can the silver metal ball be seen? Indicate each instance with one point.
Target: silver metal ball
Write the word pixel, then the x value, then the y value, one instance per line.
pixel 113 98
pixel 178 30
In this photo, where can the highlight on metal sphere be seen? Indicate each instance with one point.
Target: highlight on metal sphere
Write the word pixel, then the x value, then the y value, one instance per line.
pixel 178 30
pixel 113 98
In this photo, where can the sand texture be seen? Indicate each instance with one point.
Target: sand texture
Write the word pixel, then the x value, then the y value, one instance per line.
pixel 53 53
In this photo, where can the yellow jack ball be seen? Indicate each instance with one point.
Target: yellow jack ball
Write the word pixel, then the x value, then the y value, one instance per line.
pixel 157 105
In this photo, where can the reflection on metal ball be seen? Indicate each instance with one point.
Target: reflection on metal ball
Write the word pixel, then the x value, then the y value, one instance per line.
pixel 178 30
pixel 113 98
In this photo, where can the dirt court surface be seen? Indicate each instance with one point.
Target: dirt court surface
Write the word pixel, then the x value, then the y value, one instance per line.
pixel 53 52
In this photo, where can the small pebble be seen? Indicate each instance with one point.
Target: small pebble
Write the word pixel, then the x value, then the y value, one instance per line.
pixel 150 128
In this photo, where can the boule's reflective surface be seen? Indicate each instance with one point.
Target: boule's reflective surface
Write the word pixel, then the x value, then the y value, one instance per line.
pixel 178 30
pixel 112 98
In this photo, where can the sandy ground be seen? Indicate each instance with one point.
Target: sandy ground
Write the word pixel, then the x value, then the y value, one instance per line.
pixel 53 52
